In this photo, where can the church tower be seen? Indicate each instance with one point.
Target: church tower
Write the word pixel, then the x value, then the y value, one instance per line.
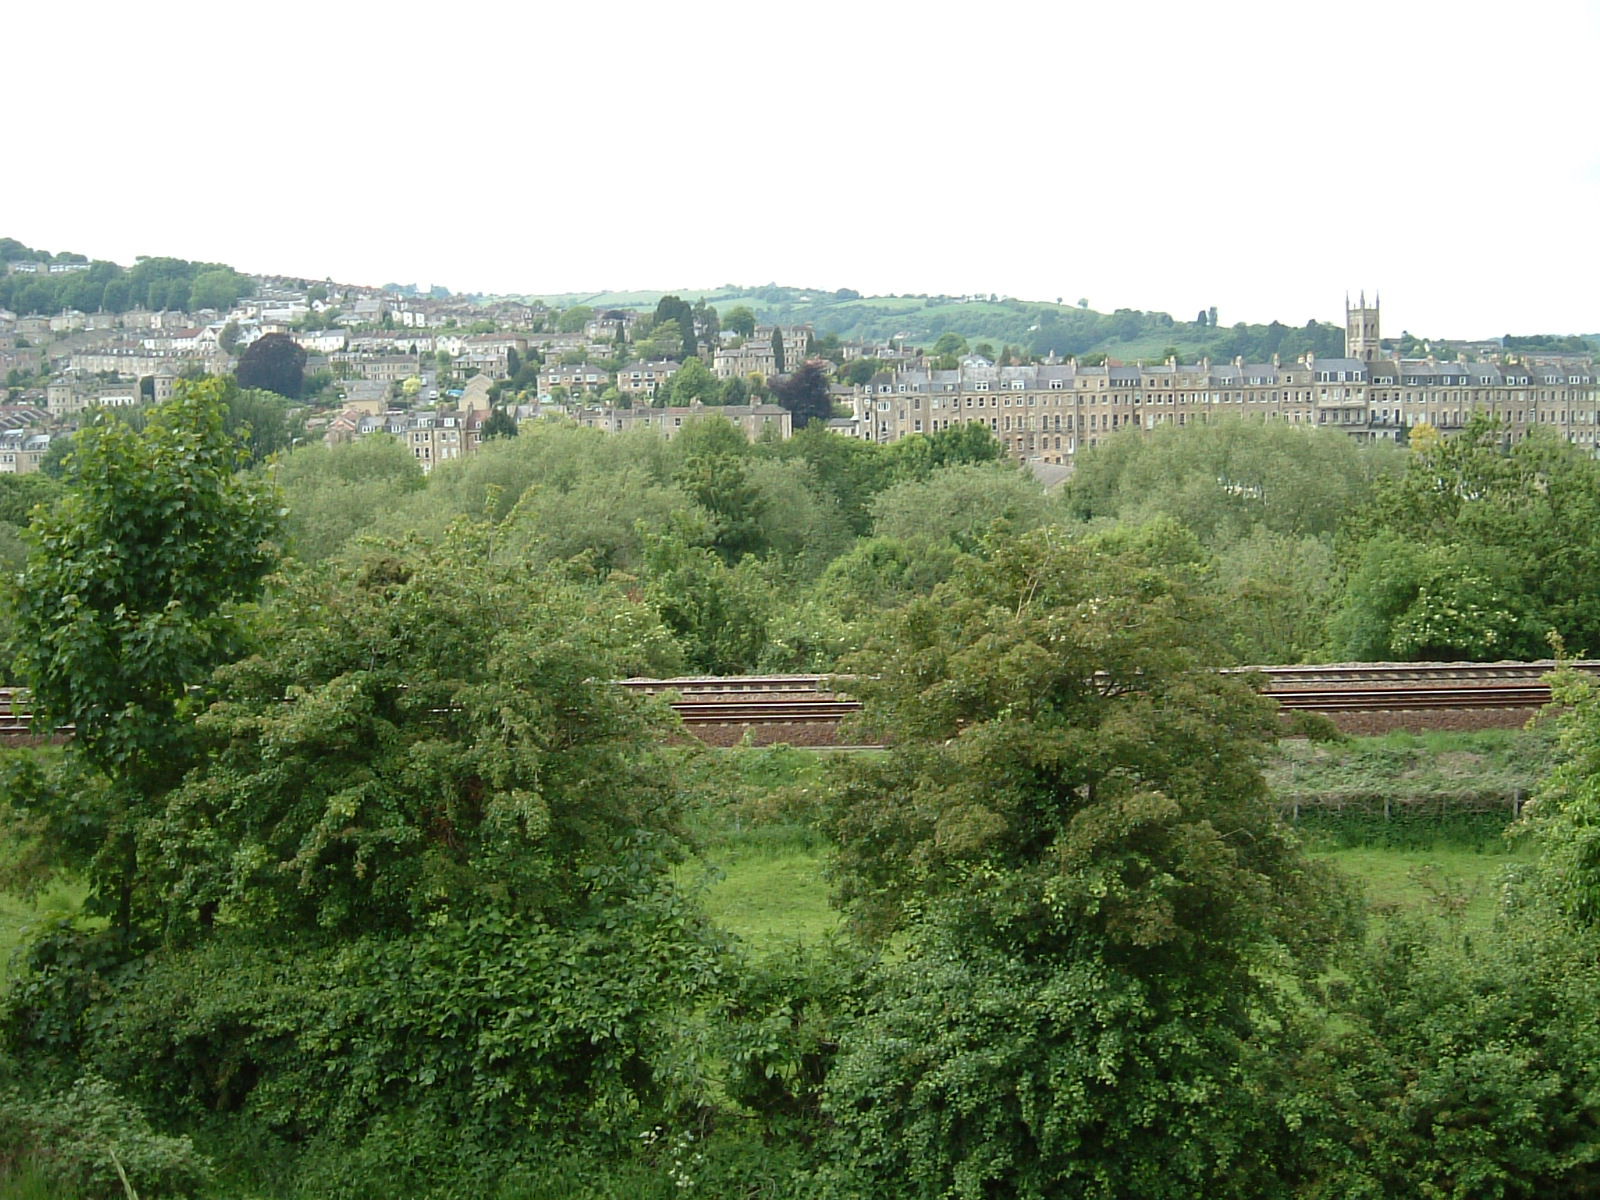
pixel 1361 329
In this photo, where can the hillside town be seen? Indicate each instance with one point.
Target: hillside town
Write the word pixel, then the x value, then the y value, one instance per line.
pixel 430 369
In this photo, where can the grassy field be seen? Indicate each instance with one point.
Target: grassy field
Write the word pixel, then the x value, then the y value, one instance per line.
pixel 1453 883
pixel 766 870
pixel 16 916
pixel 769 899
pixel 763 869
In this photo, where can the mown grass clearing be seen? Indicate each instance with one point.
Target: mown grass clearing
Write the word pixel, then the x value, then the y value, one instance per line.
pixel 775 899
pixel 771 899
pixel 1458 884
pixel 768 866
pixel 18 916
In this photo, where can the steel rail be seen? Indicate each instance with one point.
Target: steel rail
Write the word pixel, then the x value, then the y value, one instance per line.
pixel 1335 687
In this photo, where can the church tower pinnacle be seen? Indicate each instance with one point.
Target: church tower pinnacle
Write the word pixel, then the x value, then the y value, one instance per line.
pixel 1361 329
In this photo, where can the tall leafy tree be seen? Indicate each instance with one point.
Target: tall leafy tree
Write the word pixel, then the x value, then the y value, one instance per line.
pixel 131 597
pixel 1495 547
pixel 462 736
pixel 421 798
pixel 670 310
pixel 274 361
pixel 499 424
pixel 693 381
pixel 1096 905
pixel 1225 479
pixel 805 393
pixel 575 318
pixel 740 319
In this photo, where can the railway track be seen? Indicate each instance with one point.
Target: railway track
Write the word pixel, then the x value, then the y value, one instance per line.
pixel 1329 688
pixel 756 700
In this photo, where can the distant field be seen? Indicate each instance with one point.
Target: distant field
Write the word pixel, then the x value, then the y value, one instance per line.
pixel 770 898
pixel 626 299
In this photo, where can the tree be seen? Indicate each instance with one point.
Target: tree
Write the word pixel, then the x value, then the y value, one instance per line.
pixel 740 319
pixel 1092 896
pixel 575 318
pixel 130 597
pixel 670 310
pixel 718 613
pixel 805 393
pixel 918 456
pixel 778 363
pixel 422 798
pixel 1461 1066
pixel 333 493
pixel 880 573
pixel 735 390
pixel 851 470
pixel 274 361
pixel 1275 591
pixel 1514 531
pixel 665 341
pixel 228 339
pixel 260 420
pixel 859 370
pixel 693 381
pixel 500 424
pixel 219 289
pixel 1467 1065
pixel 708 321
pixel 714 476
pixel 1222 479
pixel 976 500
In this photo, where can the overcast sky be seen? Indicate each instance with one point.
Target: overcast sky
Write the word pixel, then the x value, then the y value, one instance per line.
pixel 1264 158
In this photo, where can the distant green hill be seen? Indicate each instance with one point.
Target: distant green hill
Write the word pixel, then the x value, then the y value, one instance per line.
pixel 1037 327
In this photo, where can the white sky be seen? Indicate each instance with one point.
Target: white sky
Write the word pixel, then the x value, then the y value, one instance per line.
pixel 1261 157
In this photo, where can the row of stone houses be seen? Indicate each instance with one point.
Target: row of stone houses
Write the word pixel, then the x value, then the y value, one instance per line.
pixel 1048 412
pixel 1051 411
pixel 635 379
pixel 496 345
pixel 755 421
pixel 757 354
pixel 133 361
pixel 441 435
pixel 432 436
pixel 22 450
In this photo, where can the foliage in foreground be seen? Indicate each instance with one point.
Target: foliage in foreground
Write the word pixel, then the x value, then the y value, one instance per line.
pixel 1458 1068
pixel 1099 907
pixel 132 592
pixel 415 895
pixel 86 1139
pixel 400 915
